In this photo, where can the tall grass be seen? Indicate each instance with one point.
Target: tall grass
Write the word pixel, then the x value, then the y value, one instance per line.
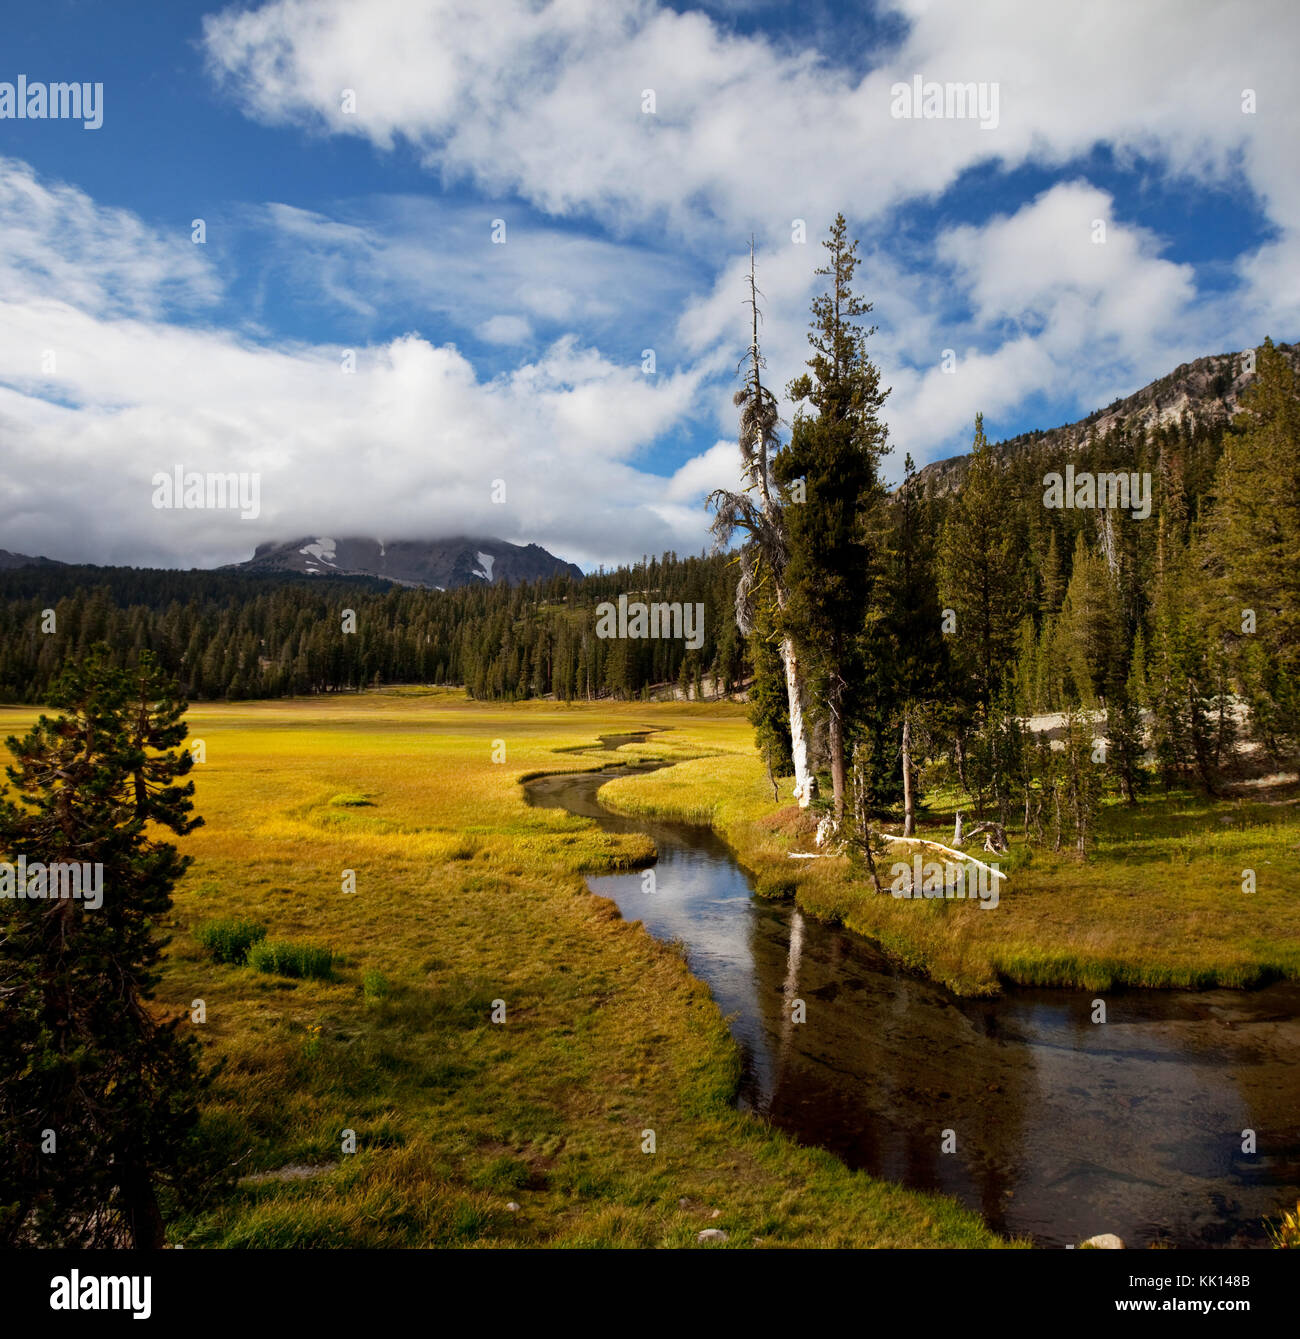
pixel 297 960
pixel 229 939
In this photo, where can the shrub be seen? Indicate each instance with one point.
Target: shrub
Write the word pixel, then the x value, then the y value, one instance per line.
pixel 350 800
pixel 374 985
pixel 287 959
pixel 230 940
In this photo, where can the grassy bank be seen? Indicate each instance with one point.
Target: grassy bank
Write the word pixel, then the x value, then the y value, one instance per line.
pixel 463 897
pixel 1159 903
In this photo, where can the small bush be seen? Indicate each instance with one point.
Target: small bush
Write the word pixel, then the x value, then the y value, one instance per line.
pixel 374 985
pixel 230 940
pixel 286 959
pixel 350 800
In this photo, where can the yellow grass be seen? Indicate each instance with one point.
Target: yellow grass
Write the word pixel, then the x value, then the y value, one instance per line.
pixel 464 897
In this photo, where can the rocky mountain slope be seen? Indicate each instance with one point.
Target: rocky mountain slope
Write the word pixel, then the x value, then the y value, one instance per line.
pixel 438 563
pixel 1208 388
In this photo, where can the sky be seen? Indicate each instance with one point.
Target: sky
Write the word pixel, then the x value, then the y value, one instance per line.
pixel 429 268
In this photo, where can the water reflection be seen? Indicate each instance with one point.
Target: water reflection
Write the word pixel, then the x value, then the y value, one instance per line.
pixel 1062 1127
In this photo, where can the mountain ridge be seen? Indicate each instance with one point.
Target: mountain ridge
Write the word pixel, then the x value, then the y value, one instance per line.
pixel 438 564
pixel 1208 388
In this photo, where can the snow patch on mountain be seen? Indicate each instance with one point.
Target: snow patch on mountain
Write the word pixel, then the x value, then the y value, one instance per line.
pixel 322 549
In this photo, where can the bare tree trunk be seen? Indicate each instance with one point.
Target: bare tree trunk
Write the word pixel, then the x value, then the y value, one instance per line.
pixel 909 801
pixel 805 784
pixel 835 731
pixel 144 1218
pixel 863 817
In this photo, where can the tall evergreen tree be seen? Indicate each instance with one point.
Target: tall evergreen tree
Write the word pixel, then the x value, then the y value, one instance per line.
pixel 1253 548
pixel 763 513
pixel 916 659
pixel 98 1096
pixel 979 574
pixel 835 457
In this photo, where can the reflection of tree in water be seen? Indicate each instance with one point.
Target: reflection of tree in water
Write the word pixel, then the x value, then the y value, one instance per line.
pixel 1266 1079
pixel 883 1064
pixel 1132 1126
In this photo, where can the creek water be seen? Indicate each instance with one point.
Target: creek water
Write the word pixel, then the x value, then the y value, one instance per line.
pixel 1063 1127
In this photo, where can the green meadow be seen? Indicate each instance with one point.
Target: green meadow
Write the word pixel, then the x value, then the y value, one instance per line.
pixel 464 896
pixel 370 887
pixel 1160 902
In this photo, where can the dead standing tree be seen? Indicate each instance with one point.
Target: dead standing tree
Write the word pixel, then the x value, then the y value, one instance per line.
pixel 759 513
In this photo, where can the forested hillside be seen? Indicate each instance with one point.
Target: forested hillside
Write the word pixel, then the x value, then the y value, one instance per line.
pixel 1140 577
pixel 235 635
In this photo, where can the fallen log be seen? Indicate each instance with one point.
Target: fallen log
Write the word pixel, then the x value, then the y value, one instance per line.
pixel 948 850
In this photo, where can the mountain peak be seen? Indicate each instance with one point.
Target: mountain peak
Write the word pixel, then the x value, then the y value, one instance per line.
pixel 1207 388
pixel 438 563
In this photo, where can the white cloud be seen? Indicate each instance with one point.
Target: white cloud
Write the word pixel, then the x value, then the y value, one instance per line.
pixel 538 107
pixel 435 259
pixel 505 330
pixel 545 101
pixel 59 246
pixel 409 444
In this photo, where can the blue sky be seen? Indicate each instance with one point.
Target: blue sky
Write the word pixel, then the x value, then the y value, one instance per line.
pixel 126 349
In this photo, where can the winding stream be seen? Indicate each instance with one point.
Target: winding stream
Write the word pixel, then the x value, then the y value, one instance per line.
pixel 1064 1128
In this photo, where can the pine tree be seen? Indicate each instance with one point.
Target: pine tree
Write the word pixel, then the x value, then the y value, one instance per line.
pixel 1089 626
pixel 1124 745
pixel 835 456
pixel 1253 550
pixel 769 707
pixel 911 659
pixel 1053 576
pixel 1080 781
pixel 979 574
pixel 82 1055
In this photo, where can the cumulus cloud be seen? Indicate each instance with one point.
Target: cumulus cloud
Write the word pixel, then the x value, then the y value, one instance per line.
pixel 626 230
pixel 749 134
pixel 408 444
pixel 547 100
